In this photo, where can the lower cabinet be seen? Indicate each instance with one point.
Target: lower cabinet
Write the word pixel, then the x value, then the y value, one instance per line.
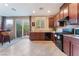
pixel 52 37
pixel 71 46
pixel 66 45
pixel 37 36
pixel 75 48
pixel 42 36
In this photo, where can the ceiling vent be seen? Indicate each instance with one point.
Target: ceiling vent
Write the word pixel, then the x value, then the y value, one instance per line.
pixel 41 8
pixel 13 9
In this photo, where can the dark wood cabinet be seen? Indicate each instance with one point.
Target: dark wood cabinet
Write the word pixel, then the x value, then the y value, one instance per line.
pixel 61 14
pixel 73 11
pixel 66 11
pixel 52 37
pixel 51 22
pixel 56 19
pixel 42 36
pixel 71 46
pixel 78 12
pixel 37 36
pixel 66 45
pixel 75 47
pixel 70 10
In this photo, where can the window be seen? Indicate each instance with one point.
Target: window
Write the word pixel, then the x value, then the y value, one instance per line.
pixel 8 24
pixel 40 22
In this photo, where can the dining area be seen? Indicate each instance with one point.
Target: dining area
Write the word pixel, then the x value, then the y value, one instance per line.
pixel 5 30
pixel 12 28
pixel 5 36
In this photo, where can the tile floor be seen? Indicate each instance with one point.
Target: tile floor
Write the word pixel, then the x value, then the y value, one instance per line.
pixel 25 47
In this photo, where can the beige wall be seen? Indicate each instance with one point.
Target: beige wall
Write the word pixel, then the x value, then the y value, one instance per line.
pixel 46 26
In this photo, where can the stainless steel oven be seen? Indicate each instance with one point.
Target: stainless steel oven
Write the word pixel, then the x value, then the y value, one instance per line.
pixel 59 40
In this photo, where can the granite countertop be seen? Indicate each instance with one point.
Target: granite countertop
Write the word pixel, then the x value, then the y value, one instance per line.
pixel 44 31
pixel 71 35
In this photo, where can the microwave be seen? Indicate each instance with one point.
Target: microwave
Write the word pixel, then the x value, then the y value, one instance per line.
pixel 76 31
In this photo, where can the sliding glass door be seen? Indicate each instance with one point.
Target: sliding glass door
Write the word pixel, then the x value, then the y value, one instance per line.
pixel 9 25
pixel 22 26
pixel 18 28
pixel 26 26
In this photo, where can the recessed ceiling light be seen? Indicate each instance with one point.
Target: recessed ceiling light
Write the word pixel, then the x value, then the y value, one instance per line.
pixel 49 11
pixel 33 11
pixel 6 4
pixel 65 11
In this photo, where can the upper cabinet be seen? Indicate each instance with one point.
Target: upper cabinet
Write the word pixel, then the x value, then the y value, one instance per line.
pixel 56 19
pixel 61 14
pixel 70 10
pixel 73 12
pixel 66 10
pixel 51 22
pixel 68 13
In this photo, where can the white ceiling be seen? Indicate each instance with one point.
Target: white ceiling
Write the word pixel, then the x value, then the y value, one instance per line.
pixel 25 9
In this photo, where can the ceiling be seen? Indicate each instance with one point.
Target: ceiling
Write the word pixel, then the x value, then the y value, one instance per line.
pixel 26 9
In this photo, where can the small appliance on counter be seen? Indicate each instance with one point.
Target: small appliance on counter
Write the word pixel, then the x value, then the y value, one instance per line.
pixel 68 31
pixel 76 31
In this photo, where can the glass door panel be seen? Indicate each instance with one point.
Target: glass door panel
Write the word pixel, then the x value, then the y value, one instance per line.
pixel 18 28
pixel 26 27
pixel 9 23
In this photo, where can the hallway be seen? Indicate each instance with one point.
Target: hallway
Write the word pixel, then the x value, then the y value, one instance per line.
pixel 24 47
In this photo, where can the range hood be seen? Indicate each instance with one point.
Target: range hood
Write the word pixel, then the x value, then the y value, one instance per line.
pixel 66 19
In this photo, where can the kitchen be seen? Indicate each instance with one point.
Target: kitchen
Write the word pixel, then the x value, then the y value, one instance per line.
pixel 68 21
pixel 39 29
pixel 65 23
pixel 57 25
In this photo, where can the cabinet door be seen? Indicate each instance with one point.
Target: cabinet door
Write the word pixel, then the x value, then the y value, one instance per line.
pixel 52 37
pixel 73 11
pixel 75 48
pixel 66 11
pixel 37 36
pixel 61 14
pixel 51 23
pixel 66 46
pixel 55 23
pixel 56 19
